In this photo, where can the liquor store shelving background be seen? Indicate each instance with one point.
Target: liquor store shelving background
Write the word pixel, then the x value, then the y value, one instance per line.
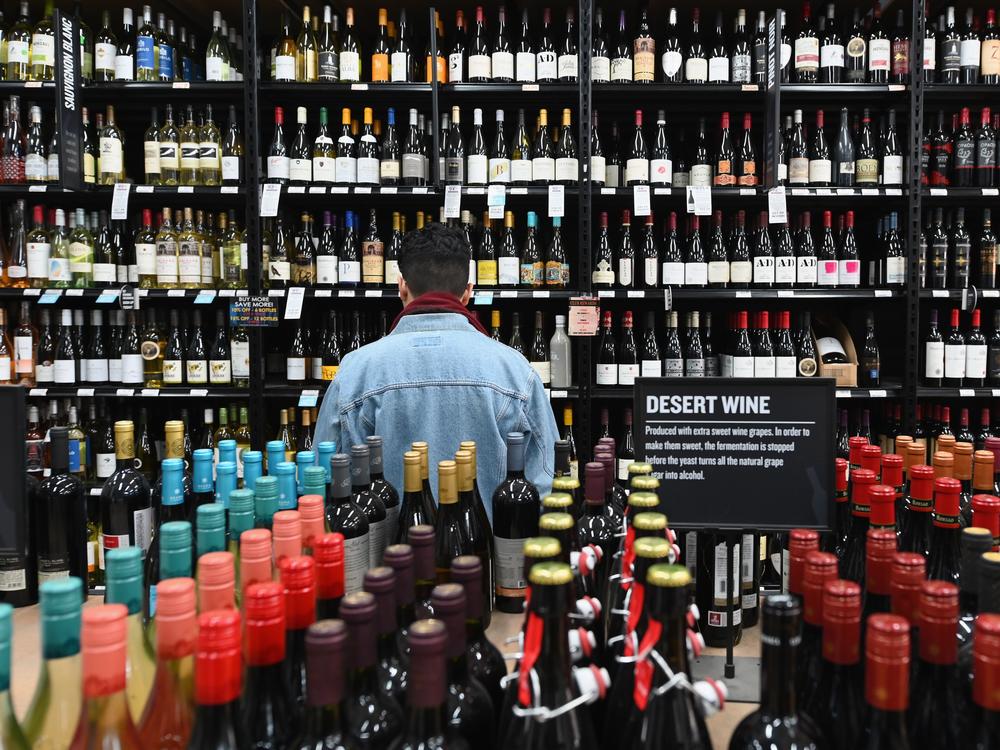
pixel 901 310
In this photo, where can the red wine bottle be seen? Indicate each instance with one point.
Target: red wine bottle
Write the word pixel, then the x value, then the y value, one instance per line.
pixel 399 557
pixel 421 539
pixel 887 682
pixel 908 574
pixel 820 567
pixel 545 678
pixel 380 582
pixel 975 542
pixel 984 719
pixel 916 521
pixel 372 719
pixel 218 683
pixel 468 706
pixel 486 662
pixel 326 666
pixel 837 704
pixel 937 622
pixel 778 722
pixel 515 518
pixel 328 553
pixel 298 576
pixel 424 723
pixel 800 543
pixel 943 556
pixel 268 707
pixel 852 564
pixel 880 549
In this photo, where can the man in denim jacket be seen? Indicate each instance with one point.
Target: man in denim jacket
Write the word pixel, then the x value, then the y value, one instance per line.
pixel 440 378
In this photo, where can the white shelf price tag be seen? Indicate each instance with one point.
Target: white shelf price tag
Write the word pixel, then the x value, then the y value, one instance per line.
pixel 119 201
pixel 557 200
pixel 777 208
pixel 293 305
pixel 640 200
pixel 269 200
pixel 452 201
pixel 496 199
pixel 699 200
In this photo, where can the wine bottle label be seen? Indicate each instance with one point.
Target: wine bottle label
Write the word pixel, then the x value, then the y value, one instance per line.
pixel 695 273
pixel 103 272
pixel 600 69
pixel 300 170
pixel 52 166
pixel 454 169
pixel 111 156
pixel 486 272
pixel 798 170
pixel 190 154
pixel 455 67
pixel 782 171
pixel 217 70
pixel 151 157
pixel 603 272
pixel 701 175
pixel 741 68
pixel 740 271
pixel 724 173
pixel 284 68
pixel 673 368
pixel 892 170
pixel 954 361
pixel 636 171
pixel 621 70
pixel 805 269
pixel 543 169
pixel 661 171
pixel 820 171
pixel 763 269
pixel 347 170
pixel 612 174
pixel 606 374
pixel 197 371
pixel 131 368
pixel 930 53
pixel 479 67
pixel 849 272
pixel 975 361
pixel 694 368
pixel 622 465
pixel 240 357
pixel 827 272
pixel 866 171
pixel 124 67
pixel 173 372
pixel 326 270
pixel 64 371
pixel 567 169
pixel 696 70
pixel 278 167
pixel 743 367
pixel 413 166
pixel 900 57
pixel 81 258
pixel 651 368
pixel 644 59
pixel 990 57
pixel 472 271
pixel 503 65
pixel 36 168
pixel 350 66
pixel 368 170
pixel 784 367
pixel 220 371
pixel 169 156
pixel 650 271
pixel 951 55
pixel 349 271
pixel 718 272
pixel 986 154
pixel 295 368
pixel 544 370
pixel 399 66
pixel 104 56
pixel 670 64
pixel 17 52
pixel 166 264
pixel 806 54
pixel 23 355
pixel 970 53
pixel 520 170
pixel 831 56
pixel 145 256
pixel 895 270
pixel 718 69
pixel 52 568
pixel 509 271
pixel 372 261
pixel 188 265
pixel 166 62
pixel 38 259
pixel 880 54
pixel 499 170
pixel 627 374
pixel 764 367
pixel 673 273
pixel 509 566
pixel 525 62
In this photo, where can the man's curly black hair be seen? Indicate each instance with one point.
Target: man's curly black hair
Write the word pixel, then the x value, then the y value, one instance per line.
pixel 435 259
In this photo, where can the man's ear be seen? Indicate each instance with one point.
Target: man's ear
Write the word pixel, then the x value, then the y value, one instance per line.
pixel 404 291
pixel 467 294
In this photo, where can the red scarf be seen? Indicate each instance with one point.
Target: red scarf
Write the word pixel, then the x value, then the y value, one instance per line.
pixel 439 302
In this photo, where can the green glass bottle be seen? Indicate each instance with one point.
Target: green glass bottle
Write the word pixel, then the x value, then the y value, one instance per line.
pixel 55 708
pixel 124 586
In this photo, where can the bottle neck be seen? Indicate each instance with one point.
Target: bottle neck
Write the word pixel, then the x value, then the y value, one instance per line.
pixel 777 677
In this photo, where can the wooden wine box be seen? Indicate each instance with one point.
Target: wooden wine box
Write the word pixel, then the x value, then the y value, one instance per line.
pixel 846 373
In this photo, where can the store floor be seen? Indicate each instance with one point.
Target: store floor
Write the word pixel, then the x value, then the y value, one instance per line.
pixel 26 656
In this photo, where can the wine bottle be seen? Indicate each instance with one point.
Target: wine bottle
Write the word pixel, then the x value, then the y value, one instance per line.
pixel 105 719
pixel 267 709
pixel 515 518
pixel 218 683
pixel 60 544
pixel 485 662
pixel 779 718
pixel 345 517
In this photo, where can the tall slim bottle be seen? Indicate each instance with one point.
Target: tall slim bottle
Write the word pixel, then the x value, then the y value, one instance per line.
pixel 124 586
pixel 516 507
pixel 218 683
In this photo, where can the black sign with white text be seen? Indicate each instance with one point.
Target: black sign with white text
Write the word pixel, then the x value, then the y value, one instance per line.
pixel 739 453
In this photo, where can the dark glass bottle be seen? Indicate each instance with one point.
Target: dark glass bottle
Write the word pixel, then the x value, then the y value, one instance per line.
pixel 943 555
pixel 423 726
pixel 778 721
pixel 326 666
pixel 218 683
pixel 485 661
pixel 298 576
pixel 345 517
pixel 887 677
pixel 61 541
pixel 391 669
pixel 267 709
pixel 515 518
pixel 371 719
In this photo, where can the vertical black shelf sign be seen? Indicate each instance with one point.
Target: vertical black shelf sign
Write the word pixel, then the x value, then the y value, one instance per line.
pixel 772 143
pixel 68 96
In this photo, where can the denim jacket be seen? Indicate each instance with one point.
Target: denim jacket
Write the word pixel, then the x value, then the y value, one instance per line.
pixel 435 378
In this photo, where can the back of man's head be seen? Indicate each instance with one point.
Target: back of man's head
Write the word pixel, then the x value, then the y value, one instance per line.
pixel 435 259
